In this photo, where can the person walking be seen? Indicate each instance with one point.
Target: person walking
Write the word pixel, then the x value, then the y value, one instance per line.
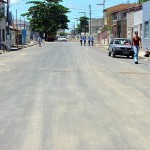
pixel 136 45
pixel 84 39
pixel 39 40
pixel 89 40
pixel 81 40
pixel 92 41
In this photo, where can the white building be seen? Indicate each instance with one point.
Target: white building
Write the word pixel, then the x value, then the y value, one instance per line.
pixel 146 25
pixel 134 23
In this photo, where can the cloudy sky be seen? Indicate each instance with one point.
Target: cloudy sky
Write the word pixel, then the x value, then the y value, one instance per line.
pixel 76 6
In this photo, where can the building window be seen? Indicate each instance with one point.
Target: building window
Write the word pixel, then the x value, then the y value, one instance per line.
pixel 146 29
pixel 3 34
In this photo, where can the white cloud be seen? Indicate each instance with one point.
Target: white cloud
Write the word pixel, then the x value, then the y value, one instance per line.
pixel 14 1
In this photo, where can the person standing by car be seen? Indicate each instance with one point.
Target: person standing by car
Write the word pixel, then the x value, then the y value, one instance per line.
pixel 136 45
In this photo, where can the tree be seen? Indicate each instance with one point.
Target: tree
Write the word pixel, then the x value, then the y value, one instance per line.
pixel 83 26
pixel 142 1
pixel 47 16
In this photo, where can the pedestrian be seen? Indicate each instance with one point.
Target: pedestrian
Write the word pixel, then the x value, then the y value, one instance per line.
pixel 81 40
pixel 39 40
pixel 89 40
pixel 84 39
pixel 136 45
pixel 92 41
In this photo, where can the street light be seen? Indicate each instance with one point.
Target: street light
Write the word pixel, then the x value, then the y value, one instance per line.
pixel 77 19
pixel 103 10
pixel 83 12
pixel 73 28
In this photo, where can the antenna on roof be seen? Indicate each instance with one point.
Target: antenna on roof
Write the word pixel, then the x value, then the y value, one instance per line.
pixel 128 5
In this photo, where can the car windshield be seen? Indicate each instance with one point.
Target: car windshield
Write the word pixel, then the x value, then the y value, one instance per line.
pixel 123 42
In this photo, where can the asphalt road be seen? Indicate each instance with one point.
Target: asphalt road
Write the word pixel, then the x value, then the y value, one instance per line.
pixel 62 96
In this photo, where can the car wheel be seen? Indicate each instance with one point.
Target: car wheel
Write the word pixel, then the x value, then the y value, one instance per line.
pixel 113 54
pixel 109 53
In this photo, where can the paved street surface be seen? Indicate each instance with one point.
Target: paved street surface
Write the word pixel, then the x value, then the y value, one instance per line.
pixel 62 96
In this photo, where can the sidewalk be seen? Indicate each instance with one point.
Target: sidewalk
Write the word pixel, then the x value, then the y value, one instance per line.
pixel 141 52
pixel 19 47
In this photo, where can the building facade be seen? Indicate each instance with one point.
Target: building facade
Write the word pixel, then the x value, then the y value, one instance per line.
pixel 96 25
pixel 116 20
pixel 134 23
pixel 146 25
pixel 2 26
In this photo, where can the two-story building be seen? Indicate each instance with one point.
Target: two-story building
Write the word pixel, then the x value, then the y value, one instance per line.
pixel 116 20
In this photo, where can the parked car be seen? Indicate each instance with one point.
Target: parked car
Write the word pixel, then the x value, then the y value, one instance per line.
pixel 62 38
pixel 120 46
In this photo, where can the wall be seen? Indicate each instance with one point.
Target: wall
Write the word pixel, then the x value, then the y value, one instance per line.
pixel 130 24
pixel 146 17
pixel 13 40
pixel 2 35
pixel 138 16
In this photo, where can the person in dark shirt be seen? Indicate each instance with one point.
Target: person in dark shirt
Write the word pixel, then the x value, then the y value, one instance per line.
pixel 81 38
pixel 136 45
pixel 89 40
pixel 84 39
pixel 92 41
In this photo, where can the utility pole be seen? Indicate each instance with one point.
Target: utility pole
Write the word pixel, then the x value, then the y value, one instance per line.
pixel 20 24
pixel 84 13
pixel 90 20
pixel 17 31
pixel 103 12
pixel 128 5
pixel 7 28
pixel 24 23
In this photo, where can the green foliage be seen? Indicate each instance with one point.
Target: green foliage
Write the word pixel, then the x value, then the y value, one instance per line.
pixel 63 34
pixel 83 26
pixel 142 1
pixel 47 16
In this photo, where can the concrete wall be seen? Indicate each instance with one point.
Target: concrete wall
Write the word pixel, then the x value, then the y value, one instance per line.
pixel 13 38
pixel 134 23
pixel 146 17
pixel 2 29
pixel 138 19
pixel 130 24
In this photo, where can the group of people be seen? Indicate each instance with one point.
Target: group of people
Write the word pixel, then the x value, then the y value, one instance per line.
pixel 83 39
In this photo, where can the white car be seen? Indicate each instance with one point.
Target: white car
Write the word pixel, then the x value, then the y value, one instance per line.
pixel 62 38
pixel 120 46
